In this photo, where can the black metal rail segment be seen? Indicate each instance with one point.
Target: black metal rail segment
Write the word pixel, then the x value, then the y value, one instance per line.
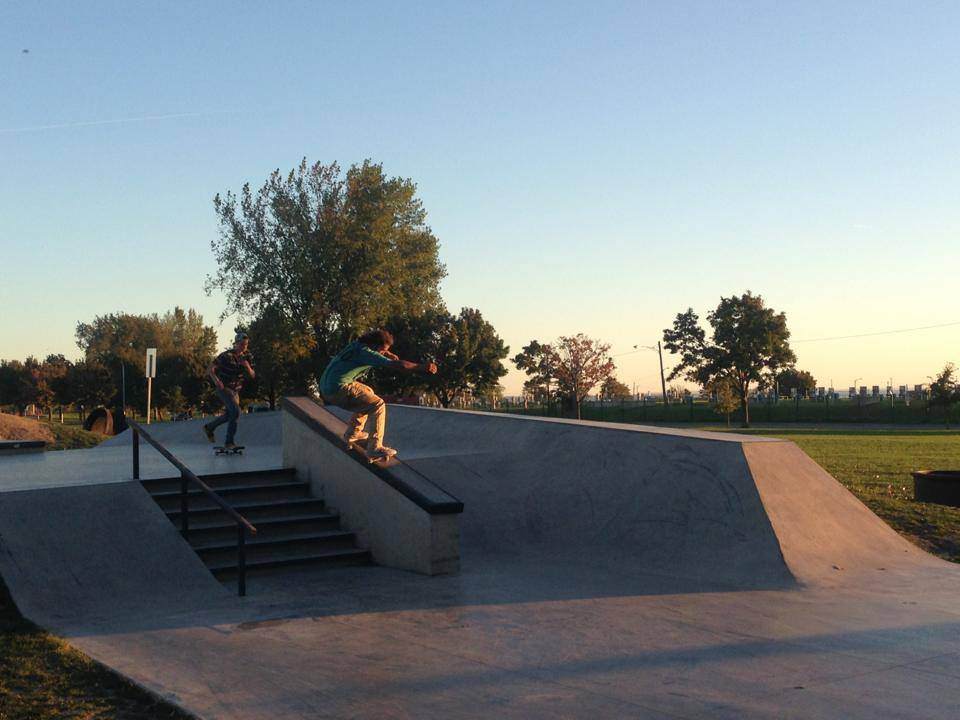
pixel 187 476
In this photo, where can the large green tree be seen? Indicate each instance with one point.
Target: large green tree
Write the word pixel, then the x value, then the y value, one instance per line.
pixel 281 352
pixel 539 361
pixel 185 346
pixel 748 340
pixel 613 389
pixel 792 381
pixel 18 383
pixel 88 384
pixel 335 253
pixel 577 363
pixel 582 364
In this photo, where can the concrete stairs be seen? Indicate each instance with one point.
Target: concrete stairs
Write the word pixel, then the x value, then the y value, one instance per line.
pixel 294 529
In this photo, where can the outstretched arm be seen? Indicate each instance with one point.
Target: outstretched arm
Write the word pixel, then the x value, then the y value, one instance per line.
pixel 427 367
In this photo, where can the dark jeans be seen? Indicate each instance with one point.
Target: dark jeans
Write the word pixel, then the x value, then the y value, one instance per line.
pixel 231 404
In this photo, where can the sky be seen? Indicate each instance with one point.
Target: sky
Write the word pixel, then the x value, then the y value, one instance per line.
pixel 589 168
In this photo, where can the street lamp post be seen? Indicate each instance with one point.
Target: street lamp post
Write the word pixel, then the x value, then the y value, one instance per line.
pixel 663 382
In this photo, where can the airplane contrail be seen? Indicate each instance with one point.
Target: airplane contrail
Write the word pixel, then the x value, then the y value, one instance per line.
pixel 116 121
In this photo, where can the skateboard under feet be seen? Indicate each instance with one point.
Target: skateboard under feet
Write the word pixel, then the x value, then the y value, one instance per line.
pixel 358 447
pixel 221 450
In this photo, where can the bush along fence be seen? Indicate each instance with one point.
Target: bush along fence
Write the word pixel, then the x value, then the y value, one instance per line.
pixel 784 410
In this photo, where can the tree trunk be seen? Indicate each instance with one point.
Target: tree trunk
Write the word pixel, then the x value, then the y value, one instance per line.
pixel 746 407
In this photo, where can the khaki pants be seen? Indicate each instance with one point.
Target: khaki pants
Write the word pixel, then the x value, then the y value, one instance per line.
pixel 363 401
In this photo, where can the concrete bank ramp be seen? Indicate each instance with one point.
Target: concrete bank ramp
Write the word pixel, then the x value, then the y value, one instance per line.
pixel 74 557
pixel 253 430
pixel 718 509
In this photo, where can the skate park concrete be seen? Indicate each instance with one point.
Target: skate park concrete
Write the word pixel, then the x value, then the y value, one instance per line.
pixel 607 571
pixel 112 460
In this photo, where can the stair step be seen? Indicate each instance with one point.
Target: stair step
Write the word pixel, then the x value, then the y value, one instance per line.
pixel 233 494
pixel 333 558
pixel 260 546
pixel 253 511
pixel 213 528
pixel 215 480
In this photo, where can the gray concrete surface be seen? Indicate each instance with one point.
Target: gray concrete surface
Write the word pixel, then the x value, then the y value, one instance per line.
pixel 112 460
pixel 606 572
pixel 398 531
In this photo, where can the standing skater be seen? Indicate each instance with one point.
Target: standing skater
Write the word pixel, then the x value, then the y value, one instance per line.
pixel 339 386
pixel 227 372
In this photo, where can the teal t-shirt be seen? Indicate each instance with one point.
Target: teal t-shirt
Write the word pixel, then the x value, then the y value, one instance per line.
pixel 349 364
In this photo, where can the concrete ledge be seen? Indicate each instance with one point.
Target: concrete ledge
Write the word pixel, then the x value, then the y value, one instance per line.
pixel 404 519
pixel 10 447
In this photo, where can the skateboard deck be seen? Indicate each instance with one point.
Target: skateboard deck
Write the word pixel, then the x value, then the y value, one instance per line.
pixel 221 450
pixel 359 448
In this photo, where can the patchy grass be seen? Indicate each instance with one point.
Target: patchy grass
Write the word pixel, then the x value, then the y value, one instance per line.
pixel 875 465
pixel 71 437
pixel 43 678
pixel 57 436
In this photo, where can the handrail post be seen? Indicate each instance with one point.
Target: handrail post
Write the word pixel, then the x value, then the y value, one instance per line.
pixel 136 455
pixel 241 561
pixel 186 477
pixel 184 506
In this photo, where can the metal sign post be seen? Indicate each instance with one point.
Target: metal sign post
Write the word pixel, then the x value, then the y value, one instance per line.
pixel 151 374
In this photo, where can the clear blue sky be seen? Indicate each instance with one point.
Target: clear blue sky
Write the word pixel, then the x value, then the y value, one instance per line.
pixel 591 168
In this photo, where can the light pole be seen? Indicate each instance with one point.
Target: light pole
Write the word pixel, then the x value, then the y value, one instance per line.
pixel 663 382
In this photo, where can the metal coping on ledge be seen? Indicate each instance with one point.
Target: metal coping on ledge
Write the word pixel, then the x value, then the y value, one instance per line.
pixel 447 506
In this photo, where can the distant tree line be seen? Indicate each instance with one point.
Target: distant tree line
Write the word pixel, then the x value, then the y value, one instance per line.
pixel 114 348
pixel 316 257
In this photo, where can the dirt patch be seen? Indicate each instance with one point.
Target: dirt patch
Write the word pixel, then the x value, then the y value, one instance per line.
pixel 14 427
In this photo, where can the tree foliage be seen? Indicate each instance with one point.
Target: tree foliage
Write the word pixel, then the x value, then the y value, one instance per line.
pixel 945 390
pixel 723 396
pixel 17 383
pixel 577 363
pixel 582 363
pixel 538 361
pixel 281 350
pixel 748 340
pixel 466 348
pixel 185 347
pixel 333 254
pixel 613 389
pixel 791 381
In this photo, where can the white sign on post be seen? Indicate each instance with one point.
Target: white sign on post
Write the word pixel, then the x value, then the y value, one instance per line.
pixel 151 374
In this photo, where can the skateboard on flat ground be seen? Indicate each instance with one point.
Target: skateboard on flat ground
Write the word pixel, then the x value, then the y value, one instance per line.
pixel 359 448
pixel 221 450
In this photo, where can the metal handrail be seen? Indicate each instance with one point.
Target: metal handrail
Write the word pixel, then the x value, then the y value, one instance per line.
pixel 186 474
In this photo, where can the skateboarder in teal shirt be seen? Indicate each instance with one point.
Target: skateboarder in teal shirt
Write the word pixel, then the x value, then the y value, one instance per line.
pixel 339 386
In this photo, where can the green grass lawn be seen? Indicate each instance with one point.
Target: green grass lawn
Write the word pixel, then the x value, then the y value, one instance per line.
pixel 875 465
pixel 43 678
pixel 72 437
